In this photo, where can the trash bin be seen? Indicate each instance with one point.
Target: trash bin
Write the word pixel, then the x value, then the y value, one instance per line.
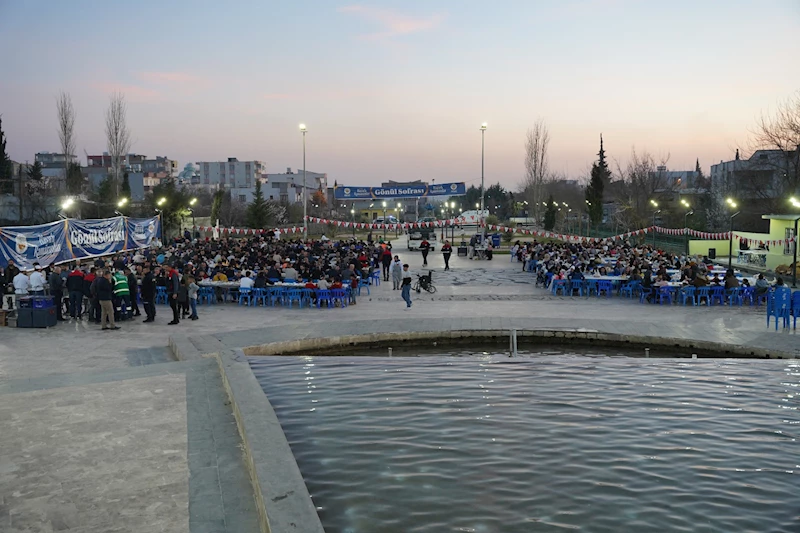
pixel 496 240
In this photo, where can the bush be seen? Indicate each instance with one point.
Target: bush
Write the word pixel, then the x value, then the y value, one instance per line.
pixel 492 220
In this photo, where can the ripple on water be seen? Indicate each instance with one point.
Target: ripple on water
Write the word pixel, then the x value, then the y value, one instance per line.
pixel 475 444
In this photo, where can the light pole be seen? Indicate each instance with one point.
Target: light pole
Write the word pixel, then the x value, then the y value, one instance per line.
pixel 796 204
pixel 384 219
pixel 191 210
pixel 733 205
pixel 686 226
pixel 353 213
pixel 483 152
pixel 303 130
pixel 160 210
pixel 657 211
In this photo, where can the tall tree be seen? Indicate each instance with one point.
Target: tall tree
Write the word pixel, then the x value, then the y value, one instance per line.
pixel 594 192
pixel 35 172
pixel 126 186
pixel 257 212
pixel 536 166
pixel 66 129
pixel 74 179
pixel 780 132
pixel 6 169
pixel 550 214
pixel 118 136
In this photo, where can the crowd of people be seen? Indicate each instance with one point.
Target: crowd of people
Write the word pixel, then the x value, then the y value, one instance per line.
pixel 103 290
pixel 641 262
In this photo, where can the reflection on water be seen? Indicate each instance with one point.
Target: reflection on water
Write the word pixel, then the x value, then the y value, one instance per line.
pixel 558 443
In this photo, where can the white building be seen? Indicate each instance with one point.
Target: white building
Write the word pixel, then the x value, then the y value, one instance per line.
pixel 288 187
pixel 230 174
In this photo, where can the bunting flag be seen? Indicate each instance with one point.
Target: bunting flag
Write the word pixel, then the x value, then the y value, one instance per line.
pixel 249 231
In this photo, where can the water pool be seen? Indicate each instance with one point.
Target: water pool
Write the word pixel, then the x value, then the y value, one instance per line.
pixel 557 443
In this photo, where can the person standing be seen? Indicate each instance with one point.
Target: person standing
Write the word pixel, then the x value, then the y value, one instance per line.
pixel 37 281
pixel 105 294
pixel 447 251
pixel 75 291
pixel 21 284
pixel 386 261
pixel 56 290
pixel 173 286
pixel 133 286
pixel 149 293
pixel 407 286
pixel 122 294
pixel 397 273
pixel 194 288
pixel 425 247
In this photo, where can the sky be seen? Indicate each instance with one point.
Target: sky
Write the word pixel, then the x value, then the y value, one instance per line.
pixel 398 90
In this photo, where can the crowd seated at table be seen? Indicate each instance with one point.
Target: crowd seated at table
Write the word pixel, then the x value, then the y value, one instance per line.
pixel 637 270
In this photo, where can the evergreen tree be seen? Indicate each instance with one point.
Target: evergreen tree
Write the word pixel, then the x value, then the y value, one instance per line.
pixel 594 192
pixel 550 214
pixel 35 172
pixel 216 206
pixel 6 170
pixel 126 186
pixel 74 179
pixel 257 213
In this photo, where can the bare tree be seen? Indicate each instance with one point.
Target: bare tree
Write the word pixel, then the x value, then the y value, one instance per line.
pixel 536 167
pixel 638 183
pixel 66 129
pixel 781 132
pixel 118 136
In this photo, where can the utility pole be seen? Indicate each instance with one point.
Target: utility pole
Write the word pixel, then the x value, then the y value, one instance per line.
pixel 19 182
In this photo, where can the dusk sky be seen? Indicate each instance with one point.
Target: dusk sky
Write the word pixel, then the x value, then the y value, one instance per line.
pixel 398 90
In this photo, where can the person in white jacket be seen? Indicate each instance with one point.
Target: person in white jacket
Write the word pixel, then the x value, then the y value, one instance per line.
pixel 397 273
pixel 21 283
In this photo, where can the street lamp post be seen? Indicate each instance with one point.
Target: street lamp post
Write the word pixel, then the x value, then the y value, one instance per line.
pixel 733 205
pixel 657 211
pixel 353 213
pixel 384 219
pixel 160 209
pixel 686 231
pixel 303 129
pixel 483 152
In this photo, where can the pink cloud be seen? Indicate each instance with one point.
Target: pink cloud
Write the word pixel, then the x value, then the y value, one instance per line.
pixel 171 77
pixel 393 24
pixel 133 92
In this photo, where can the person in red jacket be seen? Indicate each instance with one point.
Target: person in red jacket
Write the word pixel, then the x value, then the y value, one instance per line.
pixel 75 292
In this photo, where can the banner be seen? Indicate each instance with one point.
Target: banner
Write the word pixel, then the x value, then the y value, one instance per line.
pixel 344 192
pixel 26 245
pixel 141 232
pixel 66 240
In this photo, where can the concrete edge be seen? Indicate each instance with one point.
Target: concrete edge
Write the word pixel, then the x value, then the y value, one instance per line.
pixel 282 499
pixel 548 336
pixel 183 349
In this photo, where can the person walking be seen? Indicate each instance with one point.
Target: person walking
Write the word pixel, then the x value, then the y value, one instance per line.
pixel 386 261
pixel 407 286
pixel 447 251
pixel 149 293
pixel 173 285
pixel 75 291
pixel 425 247
pixel 56 290
pixel 105 294
pixel 397 273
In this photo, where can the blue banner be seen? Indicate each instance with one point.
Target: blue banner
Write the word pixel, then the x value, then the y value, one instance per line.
pixel 26 245
pixel 65 240
pixel 141 232
pixel 343 192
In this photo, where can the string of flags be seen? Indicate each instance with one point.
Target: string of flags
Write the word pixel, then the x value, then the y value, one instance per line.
pixel 248 231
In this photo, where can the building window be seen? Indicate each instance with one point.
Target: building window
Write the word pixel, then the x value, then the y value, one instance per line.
pixel 242 198
pixel 284 198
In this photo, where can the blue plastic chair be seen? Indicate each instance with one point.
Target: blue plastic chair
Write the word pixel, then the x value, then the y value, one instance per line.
pixel 734 295
pixel 324 295
pixel 294 295
pixel 664 293
pixel 591 287
pixel 206 294
pixel 644 294
pixel 307 295
pixel 718 295
pixel 606 286
pixel 795 307
pixel 560 285
pixel 779 305
pixel 274 295
pixel 747 294
pixel 576 285
pixel 260 294
pixel 161 295
pixel 340 295
pixel 703 292
pixel 375 277
pixel 630 288
pixel 687 294
pixel 363 283
pixel 245 296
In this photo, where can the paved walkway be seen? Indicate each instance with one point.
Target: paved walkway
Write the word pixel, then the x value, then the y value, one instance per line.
pixel 103 431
